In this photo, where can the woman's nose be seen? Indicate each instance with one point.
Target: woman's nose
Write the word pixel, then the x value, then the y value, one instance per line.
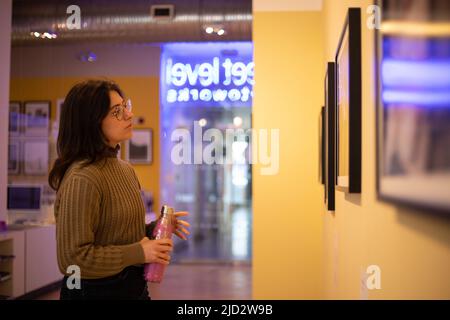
pixel 128 114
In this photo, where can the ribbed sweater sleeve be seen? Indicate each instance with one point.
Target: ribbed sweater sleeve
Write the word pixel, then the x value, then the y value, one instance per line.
pixel 79 212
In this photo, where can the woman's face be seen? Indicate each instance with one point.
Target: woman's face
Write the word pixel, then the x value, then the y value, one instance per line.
pixel 116 130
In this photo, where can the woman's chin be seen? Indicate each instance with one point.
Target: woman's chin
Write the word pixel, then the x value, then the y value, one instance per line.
pixel 128 135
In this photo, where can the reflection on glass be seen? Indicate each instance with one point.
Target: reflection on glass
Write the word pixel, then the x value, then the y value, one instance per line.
pixel 414 127
pixel 205 89
pixel 416 97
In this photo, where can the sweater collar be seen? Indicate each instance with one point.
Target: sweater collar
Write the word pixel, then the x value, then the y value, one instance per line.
pixel 112 152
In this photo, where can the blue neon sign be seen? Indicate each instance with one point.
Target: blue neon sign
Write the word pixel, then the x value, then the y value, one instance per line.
pixel 207 74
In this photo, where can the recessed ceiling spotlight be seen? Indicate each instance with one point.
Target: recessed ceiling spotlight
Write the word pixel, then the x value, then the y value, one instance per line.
pixel 202 122
pixel 221 32
pixel 209 30
pixel 237 121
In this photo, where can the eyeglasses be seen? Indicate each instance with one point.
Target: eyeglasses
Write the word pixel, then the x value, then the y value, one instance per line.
pixel 119 109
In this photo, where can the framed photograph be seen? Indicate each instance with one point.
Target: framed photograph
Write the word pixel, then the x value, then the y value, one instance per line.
pixel 59 103
pixel 413 104
pixel 322 146
pixel 348 111
pixel 35 157
pixel 36 118
pixel 329 136
pixel 14 124
pixel 138 150
pixel 13 157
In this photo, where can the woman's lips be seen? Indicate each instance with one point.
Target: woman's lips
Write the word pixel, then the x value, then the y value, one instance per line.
pixel 129 126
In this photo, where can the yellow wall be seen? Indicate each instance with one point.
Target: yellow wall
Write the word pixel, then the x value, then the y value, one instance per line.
pixel 287 207
pixel 411 248
pixel 297 245
pixel 144 92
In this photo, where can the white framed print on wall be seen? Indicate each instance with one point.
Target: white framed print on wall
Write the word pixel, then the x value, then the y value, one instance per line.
pixel 36 118
pixel 35 157
pixel 138 150
pixel 59 103
pixel 13 157
pixel 14 118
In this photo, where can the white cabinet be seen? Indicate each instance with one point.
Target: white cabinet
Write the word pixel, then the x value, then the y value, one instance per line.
pixel 41 265
pixel 35 262
pixel 13 243
pixel 18 273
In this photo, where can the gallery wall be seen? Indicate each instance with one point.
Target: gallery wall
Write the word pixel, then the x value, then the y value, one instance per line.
pixel 411 247
pixel 287 206
pixel 48 73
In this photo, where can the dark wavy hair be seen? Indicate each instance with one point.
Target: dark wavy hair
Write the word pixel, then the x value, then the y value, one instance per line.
pixel 80 135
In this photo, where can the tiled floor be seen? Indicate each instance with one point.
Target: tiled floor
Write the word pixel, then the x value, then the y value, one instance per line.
pixel 198 282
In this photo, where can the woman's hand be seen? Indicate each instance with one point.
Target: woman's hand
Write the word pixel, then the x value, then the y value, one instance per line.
pixel 157 250
pixel 179 230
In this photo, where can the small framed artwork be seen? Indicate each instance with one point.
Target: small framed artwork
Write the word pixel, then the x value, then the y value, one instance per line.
pixel 36 118
pixel 329 136
pixel 322 146
pixel 35 157
pixel 14 118
pixel 59 103
pixel 413 105
pixel 348 105
pixel 138 150
pixel 13 157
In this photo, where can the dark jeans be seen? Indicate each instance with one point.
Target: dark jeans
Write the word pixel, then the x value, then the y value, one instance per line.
pixel 127 285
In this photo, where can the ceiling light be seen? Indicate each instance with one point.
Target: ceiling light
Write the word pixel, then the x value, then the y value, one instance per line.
pixel 209 30
pixel 237 121
pixel 221 32
pixel 202 122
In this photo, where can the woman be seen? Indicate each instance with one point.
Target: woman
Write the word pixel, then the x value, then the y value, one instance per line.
pixel 100 216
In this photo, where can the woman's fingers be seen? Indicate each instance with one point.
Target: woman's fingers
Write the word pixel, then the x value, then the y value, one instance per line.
pixel 181 213
pixel 184 223
pixel 183 230
pixel 179 223
pixel 162 261
pixel 164 256
pixel 166 242
pixel 164 248
pixel 180 235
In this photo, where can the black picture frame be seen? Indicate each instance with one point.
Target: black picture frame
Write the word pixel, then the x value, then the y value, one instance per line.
pixel 322 145
pixel 329 134
pixel 348 105
pixel 398 184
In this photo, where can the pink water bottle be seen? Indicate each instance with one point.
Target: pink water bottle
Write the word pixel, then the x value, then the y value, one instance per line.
pixel 154 272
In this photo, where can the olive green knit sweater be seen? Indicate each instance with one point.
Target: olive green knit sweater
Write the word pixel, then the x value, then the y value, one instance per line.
pixel 100 218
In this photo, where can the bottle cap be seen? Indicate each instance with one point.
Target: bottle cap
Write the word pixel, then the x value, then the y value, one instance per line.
pixel 166 210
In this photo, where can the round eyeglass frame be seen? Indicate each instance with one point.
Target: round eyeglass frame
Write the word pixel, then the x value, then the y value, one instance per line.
pixel 120 109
